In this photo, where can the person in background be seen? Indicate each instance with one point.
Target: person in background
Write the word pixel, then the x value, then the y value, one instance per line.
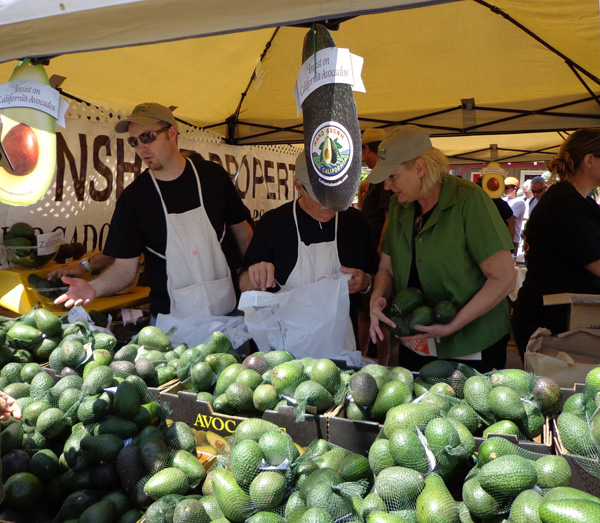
pixel 503 208
pixel 362 192
pixel 526 197
pixel 538 188
pixel 517 206
pixel 175 213
pixel 445 237
pixel 561 239
pixel 301 241
pixel 375 210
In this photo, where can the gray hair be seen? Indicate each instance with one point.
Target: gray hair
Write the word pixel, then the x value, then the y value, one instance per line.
pixel 538 179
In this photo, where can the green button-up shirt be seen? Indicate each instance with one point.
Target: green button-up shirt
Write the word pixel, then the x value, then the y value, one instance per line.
pixel 463 230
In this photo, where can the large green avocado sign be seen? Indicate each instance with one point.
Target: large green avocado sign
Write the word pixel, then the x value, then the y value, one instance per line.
pixel 29 108
pixel 331 131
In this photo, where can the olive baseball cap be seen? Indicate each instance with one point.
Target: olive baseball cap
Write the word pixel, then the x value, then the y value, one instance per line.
pixel 302 175
pixel 407 143
pixel 147 114
pixel 371 135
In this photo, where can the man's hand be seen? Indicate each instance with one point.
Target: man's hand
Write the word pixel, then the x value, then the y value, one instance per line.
pixel 8 407
pixel 80 292
pixel 74 270
pixel 261 276
pixel 359 282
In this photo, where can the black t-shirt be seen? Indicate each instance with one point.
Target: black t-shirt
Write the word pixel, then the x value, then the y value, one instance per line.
pixel 374 207
pixel 562 235
pixel 275 240
pixel 503 207
pixel 138 221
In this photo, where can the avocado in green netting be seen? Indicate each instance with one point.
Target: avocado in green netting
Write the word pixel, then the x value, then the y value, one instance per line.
pixel 435 503
pixel 363 389
pixel 422 315
pixel 406 301
pixel 234 503
pixel 569 511
pixel 507 475
pixel 444 311
pixel 169 480
pixel 332 139
pixel 402 327
pixel 575 435
pixel 480 503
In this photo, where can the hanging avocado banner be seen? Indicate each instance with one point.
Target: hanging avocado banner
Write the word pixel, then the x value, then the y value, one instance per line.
pixel 332 142
pixel 29 109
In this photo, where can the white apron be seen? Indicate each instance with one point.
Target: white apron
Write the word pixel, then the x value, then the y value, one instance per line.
pixel 198 277
pixel 316 261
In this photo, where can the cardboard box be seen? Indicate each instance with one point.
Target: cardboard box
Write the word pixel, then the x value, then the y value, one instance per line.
pixel 568 392
pixel 184 406
pixel 358 436
pixel 580 477
pixel 543 444
pixel 565 357
pixel 355 436
pixel 584 311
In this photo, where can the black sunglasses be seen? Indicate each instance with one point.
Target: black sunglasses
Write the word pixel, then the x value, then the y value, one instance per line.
pixel 537 191
pixel 147 137
pixel 511 187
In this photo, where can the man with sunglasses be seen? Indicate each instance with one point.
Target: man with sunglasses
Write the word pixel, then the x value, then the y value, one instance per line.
pixel 175 213
pixel 518 207
pixel 538 188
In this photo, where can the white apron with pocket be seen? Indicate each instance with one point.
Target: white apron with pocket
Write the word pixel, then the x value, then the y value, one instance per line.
pixel 309 316
pixel 198 277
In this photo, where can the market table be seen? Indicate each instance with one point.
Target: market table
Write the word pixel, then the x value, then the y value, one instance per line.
pixel 17 296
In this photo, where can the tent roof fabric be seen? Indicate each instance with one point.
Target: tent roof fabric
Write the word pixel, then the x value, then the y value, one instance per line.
pixel 506 73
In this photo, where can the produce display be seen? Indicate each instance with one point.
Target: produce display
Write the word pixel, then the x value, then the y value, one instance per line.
pixel 97 443
pixel 21 247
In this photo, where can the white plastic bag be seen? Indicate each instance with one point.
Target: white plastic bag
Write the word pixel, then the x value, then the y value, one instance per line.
pixel 198 328
pixel 309 320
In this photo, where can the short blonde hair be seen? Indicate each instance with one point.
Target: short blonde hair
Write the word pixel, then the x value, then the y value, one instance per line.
pixel 436 168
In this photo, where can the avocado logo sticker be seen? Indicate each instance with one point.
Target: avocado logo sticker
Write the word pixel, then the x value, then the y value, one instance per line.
pixel 331 153
pixel 29 110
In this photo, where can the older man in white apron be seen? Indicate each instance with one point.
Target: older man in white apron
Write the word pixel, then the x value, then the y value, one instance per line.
pixel 302 245
pixel 176 213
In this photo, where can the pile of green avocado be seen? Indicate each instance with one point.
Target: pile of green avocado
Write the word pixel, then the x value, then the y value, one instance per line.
pixel 409 309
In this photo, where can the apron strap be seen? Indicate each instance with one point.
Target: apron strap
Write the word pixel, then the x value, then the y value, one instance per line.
pixel 298 229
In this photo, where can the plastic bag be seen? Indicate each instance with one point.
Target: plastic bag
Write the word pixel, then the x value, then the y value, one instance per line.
pixel 309 320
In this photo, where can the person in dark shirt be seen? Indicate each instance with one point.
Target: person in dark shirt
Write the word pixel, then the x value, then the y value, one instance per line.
pixel 303 232
pixel 175 213
pixel 561 239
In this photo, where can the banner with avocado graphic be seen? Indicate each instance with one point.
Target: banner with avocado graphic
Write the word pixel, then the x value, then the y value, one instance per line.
pixel 94 165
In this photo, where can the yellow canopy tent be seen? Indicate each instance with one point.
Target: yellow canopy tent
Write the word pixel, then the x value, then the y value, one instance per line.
pixel 503 73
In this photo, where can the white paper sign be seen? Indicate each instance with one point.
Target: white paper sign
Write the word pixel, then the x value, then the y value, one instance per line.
pixel 35 95
pixel 48 243
pixel 334 65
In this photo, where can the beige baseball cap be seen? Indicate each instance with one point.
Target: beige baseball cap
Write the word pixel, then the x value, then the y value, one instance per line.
pixel 302 175
pixel 407 143
pixel 371 135
pixel 147 114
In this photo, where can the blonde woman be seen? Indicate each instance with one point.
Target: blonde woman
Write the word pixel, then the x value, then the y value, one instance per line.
pixel 446 237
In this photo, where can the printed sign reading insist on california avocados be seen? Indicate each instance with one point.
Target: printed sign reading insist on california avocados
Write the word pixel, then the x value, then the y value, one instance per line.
pixel 331 129
pixel 29 108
